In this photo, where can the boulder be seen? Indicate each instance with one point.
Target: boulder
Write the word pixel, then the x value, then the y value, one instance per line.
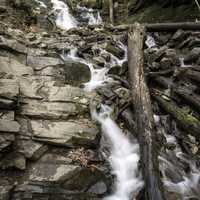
pixel 9 126
pixel 76 73
pixel 192 56
pixel 65 133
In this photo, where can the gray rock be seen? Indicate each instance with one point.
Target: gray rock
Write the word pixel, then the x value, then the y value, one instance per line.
pixel 70 133
pixel 6 139
pixel 7 115
pixel 30 149
pixel 13 67
pixel 39 62
pixel 12 45
pixel 9 126
pixel 9 89
pixel 76 73
pixel 51 110
pixel 13 160
pixel 5 192
pixel 192 56
pixel 115 50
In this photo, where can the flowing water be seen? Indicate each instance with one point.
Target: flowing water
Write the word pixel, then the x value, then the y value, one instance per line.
pixel 124 153
pixel 64 19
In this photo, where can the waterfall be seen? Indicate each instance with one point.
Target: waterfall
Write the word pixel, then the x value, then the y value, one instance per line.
pixel 89 14
pixel 124 157
pixel 64 19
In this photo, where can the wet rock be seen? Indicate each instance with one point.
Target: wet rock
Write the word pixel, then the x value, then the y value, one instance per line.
pixel 10 66
pixel 115 50
pixel 192 56
pixel 13 160
pixel 115 70
pixel 165 63
pixel 76 73
pixel 65 133
pixel 87 179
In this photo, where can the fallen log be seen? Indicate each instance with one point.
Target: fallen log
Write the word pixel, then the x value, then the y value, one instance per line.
pixel 189 123
pixel 173 26
pixel 145 126
pixel 161 27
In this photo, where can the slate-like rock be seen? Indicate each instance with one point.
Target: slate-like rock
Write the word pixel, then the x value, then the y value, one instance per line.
pixel 65 133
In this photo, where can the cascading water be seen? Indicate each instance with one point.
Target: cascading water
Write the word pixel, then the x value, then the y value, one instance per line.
pixel 90 15
pixel 64 19
pixel 124 157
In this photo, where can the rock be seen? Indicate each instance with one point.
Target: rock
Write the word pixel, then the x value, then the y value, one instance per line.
pixel 31 149
pixel 65 133
pixel 13 160
pixel 115 50
pixel 192 56
pixel 51 110
pixel 87 179
pixel 12 45
pixel 5 192
pixel 7 115
pixel 76 73
pixel 13 67
pixel 6 139
pixel 39 62
pixel 52 172
pixel 9 126
pixel 9 89
pixel 115 70
pixel 165 63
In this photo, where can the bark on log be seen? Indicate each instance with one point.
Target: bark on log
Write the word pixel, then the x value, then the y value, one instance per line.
pixel 173 26
pixel 159 27
pixel 144 116
pixel 186 121
pixel 111 11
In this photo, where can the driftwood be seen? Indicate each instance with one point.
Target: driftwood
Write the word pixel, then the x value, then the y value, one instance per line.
pixel 186 121
pixel 144 116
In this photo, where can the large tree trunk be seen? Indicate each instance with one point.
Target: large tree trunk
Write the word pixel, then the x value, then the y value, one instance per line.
pixel 145 126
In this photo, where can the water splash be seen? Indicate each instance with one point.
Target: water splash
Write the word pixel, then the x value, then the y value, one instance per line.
pixel 41 4
pixel 124 157
pixel 150 42
pixel 94 18
pixel 98 76
pixel 64 19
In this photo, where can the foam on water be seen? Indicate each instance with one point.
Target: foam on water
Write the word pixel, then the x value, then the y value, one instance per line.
pixel 89 14
pixel 98 76
pixel 124 157
pixel 64 19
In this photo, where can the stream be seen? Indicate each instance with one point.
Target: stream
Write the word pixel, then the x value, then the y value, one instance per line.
pixel 179 172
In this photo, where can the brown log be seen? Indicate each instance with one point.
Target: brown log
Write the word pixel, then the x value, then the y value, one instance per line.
pixel 145 126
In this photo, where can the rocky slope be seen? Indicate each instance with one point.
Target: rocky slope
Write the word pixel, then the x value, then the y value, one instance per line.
pixel 50 148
